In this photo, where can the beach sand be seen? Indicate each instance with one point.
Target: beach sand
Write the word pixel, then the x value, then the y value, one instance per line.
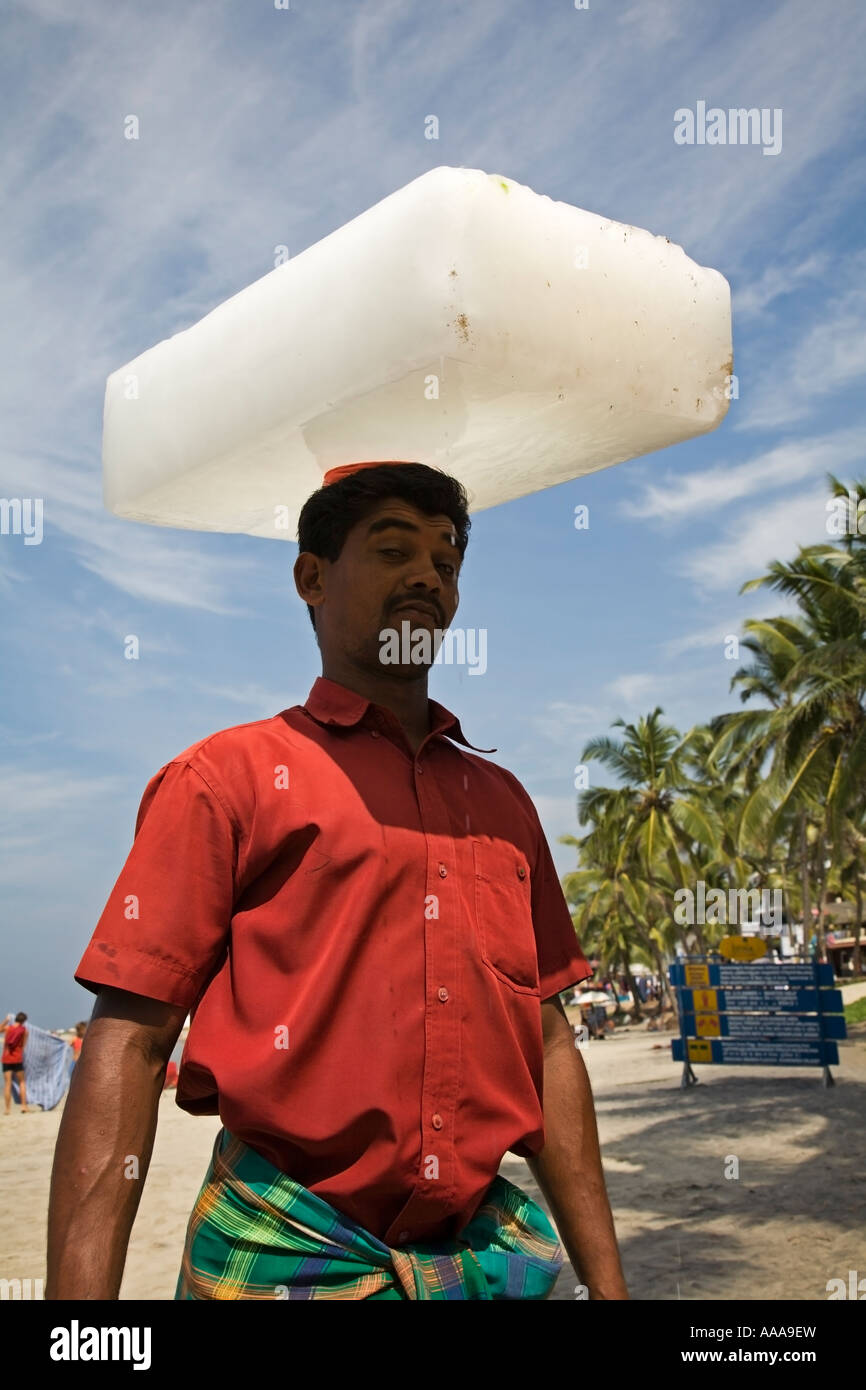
pixel 793 1219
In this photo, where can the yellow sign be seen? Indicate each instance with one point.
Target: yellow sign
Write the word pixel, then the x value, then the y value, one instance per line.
pixel 705 1001
pixel 742 948
pixel 697 975
pixel 708 1026
pixel 700 1051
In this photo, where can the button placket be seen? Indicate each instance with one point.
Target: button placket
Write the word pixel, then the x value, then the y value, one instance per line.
pixel 442 1053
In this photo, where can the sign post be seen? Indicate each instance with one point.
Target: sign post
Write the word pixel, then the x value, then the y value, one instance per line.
pixel 734 1011
pixel 828 1077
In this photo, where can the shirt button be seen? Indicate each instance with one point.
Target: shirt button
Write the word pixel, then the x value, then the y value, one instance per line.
pixel 404 1235
pixel 437 1122
pixel 443 872
pixel 443 994
pixel 374 733
pixel 521 872
pixel 420 771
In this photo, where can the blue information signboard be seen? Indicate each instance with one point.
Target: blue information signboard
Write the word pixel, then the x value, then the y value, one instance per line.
pixel 720 973
pixel 768 1054
pixel 797 1027
pixel 756 1014
pixel 798 1001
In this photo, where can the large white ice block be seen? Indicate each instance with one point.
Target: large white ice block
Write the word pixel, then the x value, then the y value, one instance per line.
pixel 465 321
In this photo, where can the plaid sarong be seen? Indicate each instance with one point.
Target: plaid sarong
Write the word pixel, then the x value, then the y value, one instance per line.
pixel 255 1233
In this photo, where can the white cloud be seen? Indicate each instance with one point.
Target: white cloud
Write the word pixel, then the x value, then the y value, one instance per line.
pixel 146 562
pixel 830 356
pixel 750 300
pixel 558 816
pixel 691 495
pixel 9 575
pixel 562 721
pixel 158 568
pixel 39 811
pixel 652 22
pixel 711 637
pixel 637 687
pixel 770 531
pixel 260 701
pixel 32 793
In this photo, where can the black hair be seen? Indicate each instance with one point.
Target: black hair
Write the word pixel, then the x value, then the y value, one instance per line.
pixel 329 514
pixel 20 1018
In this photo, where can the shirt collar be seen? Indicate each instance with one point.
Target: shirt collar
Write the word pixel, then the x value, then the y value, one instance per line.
pixel 330 703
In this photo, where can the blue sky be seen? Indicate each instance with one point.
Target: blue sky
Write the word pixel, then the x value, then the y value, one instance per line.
pixel 262 127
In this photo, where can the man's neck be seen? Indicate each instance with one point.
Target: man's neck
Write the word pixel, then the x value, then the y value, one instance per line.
pixel 406 699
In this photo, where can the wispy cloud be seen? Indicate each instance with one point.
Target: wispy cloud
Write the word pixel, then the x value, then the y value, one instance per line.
pixel 38 809
pixel 562 721
pixel 753 539
pixel 145 562
pixel 712 637
pixel 830 356
pixel 776 282
pixel 637 687
pixel 694 495
pixel 260 701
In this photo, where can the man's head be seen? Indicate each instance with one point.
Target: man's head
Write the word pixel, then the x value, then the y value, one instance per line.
pixel 20 1018
pixel 371 542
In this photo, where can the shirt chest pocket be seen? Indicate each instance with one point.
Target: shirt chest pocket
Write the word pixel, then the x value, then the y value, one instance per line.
pixel 503 913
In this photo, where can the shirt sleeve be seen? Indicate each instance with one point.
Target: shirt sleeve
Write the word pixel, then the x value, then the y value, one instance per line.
pixel 165 927
pixel 561 961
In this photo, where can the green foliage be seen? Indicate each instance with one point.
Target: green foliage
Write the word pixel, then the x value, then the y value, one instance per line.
pixel 773 795
pixel 856 1012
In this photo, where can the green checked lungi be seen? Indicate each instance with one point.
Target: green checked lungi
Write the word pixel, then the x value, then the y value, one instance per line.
pixel 255 1233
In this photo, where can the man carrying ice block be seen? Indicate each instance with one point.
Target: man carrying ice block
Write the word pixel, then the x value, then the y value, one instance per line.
pixel 364 919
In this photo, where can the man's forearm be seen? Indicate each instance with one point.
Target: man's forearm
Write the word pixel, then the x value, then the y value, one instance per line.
pixel 568 1171
pixel 103 1152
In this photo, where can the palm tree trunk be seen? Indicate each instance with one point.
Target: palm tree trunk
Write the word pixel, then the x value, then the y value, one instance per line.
pixel 804 884
pixel 858 926
pixel 649 945
pixel 823 876
pixel 667 994
pixel 636 1012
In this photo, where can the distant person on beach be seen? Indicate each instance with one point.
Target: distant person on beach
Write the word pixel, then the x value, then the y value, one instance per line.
pixel 80 1030
pixel 15 1036
pixel 363 916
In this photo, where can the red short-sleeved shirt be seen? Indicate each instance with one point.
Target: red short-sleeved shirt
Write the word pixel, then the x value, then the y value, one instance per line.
pixel 364 938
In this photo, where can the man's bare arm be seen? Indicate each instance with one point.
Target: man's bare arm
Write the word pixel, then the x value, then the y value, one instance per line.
pixel 110 1115
pixel 568 1169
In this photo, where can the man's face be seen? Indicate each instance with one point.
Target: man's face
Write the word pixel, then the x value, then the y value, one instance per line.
pixel 394 557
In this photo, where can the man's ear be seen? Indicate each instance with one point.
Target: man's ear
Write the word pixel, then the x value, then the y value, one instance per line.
pixel 308 575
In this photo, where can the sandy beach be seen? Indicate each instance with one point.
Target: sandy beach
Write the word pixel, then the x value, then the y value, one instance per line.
pixel 793 1219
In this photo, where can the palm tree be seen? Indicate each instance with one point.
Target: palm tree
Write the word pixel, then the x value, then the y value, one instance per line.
pixel 616 915
pixel 773 794
pixel 666 827
pixel 811 670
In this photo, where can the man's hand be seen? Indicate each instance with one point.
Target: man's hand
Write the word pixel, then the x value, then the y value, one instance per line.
pixel 568 1169
pixel 109 1119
